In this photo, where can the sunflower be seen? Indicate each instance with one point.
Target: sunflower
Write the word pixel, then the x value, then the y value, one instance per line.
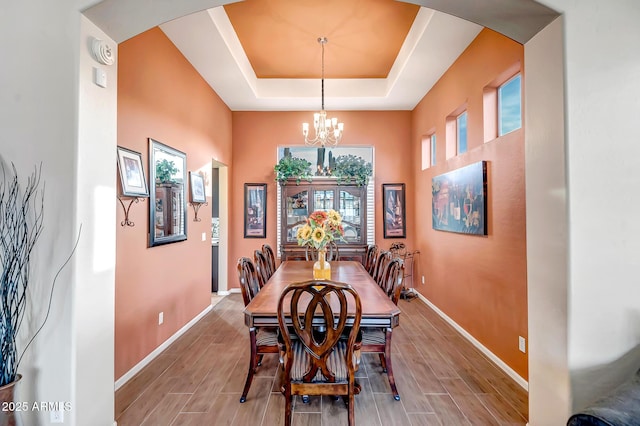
pixel 334 217
pixel 304 233
pixel 318 235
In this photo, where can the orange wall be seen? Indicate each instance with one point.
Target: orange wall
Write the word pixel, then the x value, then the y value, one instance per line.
pixel 480 282
pixel 257 135
pixel 161 96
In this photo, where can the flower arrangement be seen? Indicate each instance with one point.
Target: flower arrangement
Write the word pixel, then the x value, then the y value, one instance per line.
pixel 321 229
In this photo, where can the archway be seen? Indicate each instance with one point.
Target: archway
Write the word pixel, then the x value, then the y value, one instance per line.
pixel 525 21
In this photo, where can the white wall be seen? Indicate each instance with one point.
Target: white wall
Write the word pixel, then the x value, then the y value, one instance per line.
pixel 94 314
pixel 39 106
pixel 603 97
pixel 547 227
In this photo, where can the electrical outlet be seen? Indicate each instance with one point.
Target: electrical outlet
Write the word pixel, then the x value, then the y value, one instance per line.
pixel 204 236
pixel 423 279
pixel 56 416
pixel 522 344
pixel 160 318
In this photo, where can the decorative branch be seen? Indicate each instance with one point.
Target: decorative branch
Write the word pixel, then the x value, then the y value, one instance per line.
pixel 21 217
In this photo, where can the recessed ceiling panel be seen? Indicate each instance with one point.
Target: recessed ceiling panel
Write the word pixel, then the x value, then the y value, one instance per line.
pixel 279 37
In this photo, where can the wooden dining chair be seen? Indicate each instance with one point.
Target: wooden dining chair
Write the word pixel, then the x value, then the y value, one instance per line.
pixel 262 267
pixel 262 340
pixel 318 362
pixel 370 258
pixel 384 257
pixel 311 253
pixel 271 258
pixel 378 340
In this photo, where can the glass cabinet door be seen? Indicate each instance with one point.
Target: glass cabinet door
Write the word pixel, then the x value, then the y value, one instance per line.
pixel 323 199
pixel 349 209
pixel 297 211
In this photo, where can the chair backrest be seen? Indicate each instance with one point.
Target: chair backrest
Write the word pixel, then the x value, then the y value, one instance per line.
pixel 262 267
pixel 370 258
pixel 306 299
pixel 391 279
pixel 271 258
pixel 311 253
pixel 249 283
pixel 384 257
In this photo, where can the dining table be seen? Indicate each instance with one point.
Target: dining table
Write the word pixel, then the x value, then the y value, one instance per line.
pixel 378 310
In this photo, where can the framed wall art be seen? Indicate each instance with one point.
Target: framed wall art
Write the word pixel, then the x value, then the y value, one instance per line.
pixel 394 217
pixel 196 184
pixel 459 200
pixel 132 180
pixel 255 210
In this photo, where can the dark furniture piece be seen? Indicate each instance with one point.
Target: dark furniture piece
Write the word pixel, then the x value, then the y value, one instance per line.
pixel 384 257
pixel 378 340
pixel 370 258
pixel 271 258
pixel 263 270
pixel 621 407
pixel 262 339
pixel 298 201
pixel 317 359
pixel 377 309
pixel 333 253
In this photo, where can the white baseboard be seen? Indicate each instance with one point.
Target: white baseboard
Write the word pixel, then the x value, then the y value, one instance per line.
pixel 504 367
pixel 228 292
pixel 139 366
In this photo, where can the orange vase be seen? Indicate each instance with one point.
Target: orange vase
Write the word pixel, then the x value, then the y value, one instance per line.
pixel 322 268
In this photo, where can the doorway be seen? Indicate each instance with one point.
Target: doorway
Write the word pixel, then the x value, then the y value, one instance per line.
pixel 219 227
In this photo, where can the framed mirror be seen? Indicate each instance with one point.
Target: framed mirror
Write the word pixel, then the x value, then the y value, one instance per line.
pixel 168 194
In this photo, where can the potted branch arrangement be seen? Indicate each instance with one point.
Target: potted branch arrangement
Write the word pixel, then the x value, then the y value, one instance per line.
pixel 21 217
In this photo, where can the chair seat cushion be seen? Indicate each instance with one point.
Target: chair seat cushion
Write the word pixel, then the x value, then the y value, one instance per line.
pixel 267 336
pixel 373 336
pixel 335 363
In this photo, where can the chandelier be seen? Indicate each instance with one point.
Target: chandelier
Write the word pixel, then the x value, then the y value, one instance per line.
pixel 327 130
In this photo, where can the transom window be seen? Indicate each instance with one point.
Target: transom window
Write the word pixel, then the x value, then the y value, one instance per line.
pixel 461 132
pixel 510 105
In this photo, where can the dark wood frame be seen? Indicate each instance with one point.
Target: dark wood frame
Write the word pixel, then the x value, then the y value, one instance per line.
pixel 398 188
pixel 259 232
pixel 193 177
pixel 125 190
pixel 154 146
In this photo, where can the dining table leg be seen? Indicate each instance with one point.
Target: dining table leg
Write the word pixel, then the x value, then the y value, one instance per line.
pixel 388 364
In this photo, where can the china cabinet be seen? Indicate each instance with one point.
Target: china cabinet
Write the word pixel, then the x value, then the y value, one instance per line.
pixel 297 201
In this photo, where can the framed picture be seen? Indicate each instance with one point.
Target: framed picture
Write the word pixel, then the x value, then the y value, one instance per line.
pixel 458 202
pixel 132 180
pixel 394 210
pixel 196 184
pixel 255 210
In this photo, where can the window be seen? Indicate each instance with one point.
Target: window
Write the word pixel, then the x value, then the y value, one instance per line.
pixel 461 132
pixel 428 151
pixel 425 152
pixel 433 149
pixel 510 106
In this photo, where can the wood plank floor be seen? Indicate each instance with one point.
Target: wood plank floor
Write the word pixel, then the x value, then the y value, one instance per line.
pixel 442 380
